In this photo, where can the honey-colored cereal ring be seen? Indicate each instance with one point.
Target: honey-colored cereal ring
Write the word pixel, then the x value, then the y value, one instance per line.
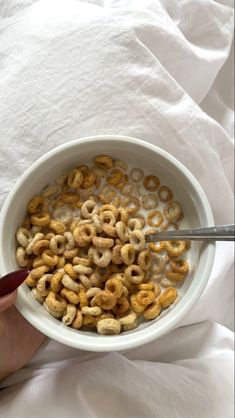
pixel 56 302
pixel 75 179
pixel 137 239
pixel 108 208
pixel 80 269
pixel 149 201
pixel 57 244
pixel 157 247
pixel 90 293
pixel 102 256
pixel 116 254
pixel 39 246
pixel 89 180
pixel 122 215
pixel 70 314
pixel 82 261
pixel 114 286
pixel 40 219
pixel 180 266
pixel 89 321
pixel 131 204
pixel 174 248
pixel 134 224
pixel 38 272
pixel 105 300
pixel 144 259
pixel 57 226
pixel 30 281
pixel 56 281
pixel 97 222
pixel 145 297
pixel 169 226
pixel 49 258
pixel 92 311
pixel 24 236
pixel 70 283
pixel 108 217
pixel 151 183
pixel 146 286
pixel 21 257
pixel 122 231
pixel 141 219
pixel 89 208
pixel 35 205
pixel 85 281
pixel 55 314
pixel 107 194
pixel 152 311
pixel 37 295
pixel 167 297
pixel 68 254
pixel 103 161
pixel 101 242
pixel 77 322
pixel 157 215
pixel 38 262
pixel 165 194
pixel 122 306
pixel 69 197
pixel 83 301
pixel 134 274
pixel 70 295
pixel 69 269
pixel 174 276
pixel 173 211
pixel 122 183
pixel 127 319
pixel 61 262
pixel 128 254
pixel 110 230
pixel 136 306
pixel 115 177
pixel 108 326
pixel 44 285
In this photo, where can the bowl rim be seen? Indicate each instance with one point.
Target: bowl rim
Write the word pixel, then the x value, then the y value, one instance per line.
pixel 142 336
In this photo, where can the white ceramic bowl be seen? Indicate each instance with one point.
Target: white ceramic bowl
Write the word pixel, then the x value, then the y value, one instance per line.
pixel 188 191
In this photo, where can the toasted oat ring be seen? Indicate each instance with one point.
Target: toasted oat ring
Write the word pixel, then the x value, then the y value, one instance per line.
pixel 56 302
pixel 145 297
pixel 154 214
pixel 137 239
pixel 103 161
pixel 173 211
pixel 40 219
pixel 134 274
pixel 152 311
pixel 151 183
pixel 75 179
pixel 116 254
pixel 24 236
pixel 107 194
pixel 108 217
pixel 49 258
pixel 38 272
pixel 87 232
pixel 136 306
pixel 110 230
pixel 57 226
pixel 56 281
pixel 134 224
pixel 91 310
pixel 179 266
pixel 128 254
pixel 70 295
pixel 90 293
pixel 70 284
pixel 122 231
pixel 114 286
pixel 82 261
pixel 52 312
pixel 157 247
pixel 122 306
pixel 131 204
pixel 34 205
pixel 174 276
pixel 108 326
pixel 102 256
pixel 37 295
pixel 115 177
pixel 174 248
pixel 89 208
pixel 122 215
pixel 57 244
pixel 44 285
pixel 85 281
pixel 146 286
pixel 108 207
pixel 101 242
pixel 165 194
pixel 128 319
pixel 37 262
pixel 68 254
pixel 167 297
pixel 105 300
pixel 149 201
pixel 77 322
pixel 70 314
pixel 144 259
pixel 30 281
pixel 39 246
pixel 83 301
pixel 80 269
pixel 69 269
pixel 136 174
pixel 90 321
pixel 21 257
pixel 97 222
pixel 123 182
pixel 130 327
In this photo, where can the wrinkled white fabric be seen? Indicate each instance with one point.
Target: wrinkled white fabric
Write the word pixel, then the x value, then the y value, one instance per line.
pixel 154 70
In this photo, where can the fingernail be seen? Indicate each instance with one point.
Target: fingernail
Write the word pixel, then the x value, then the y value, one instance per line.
pixel 12 281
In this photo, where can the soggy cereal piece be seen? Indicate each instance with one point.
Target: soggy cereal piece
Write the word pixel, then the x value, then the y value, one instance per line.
pixel 108 326
pixel 155 218
pixel 165 194
pixel 120 164
pixel 35 205
pixel 167 297
pixel 89 180
pixel 174 248
pixel 40 219
pixel 158 264
pixel 174 276
pixel 103 161
pixel 151 183
pixel 75 179
pixel 173 211
pixel 152 311
pixel 157 247
pixel 149 201
pixel 180 266
pixel 131 204
pixel 115 177
pixel 136 175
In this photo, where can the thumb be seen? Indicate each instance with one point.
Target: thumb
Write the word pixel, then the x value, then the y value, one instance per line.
pixel 7 301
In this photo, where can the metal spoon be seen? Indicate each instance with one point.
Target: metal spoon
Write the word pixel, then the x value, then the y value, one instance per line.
pixel 214 233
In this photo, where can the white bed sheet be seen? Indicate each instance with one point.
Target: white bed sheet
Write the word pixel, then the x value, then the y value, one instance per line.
pixel 157 70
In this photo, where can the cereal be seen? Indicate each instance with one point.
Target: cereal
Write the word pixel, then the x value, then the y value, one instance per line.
pixel 83 240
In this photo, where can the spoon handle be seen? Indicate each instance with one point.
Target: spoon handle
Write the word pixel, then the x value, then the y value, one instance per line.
pixel 214 233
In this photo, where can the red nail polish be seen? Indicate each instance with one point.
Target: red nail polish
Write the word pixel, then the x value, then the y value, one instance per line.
pixel 11 281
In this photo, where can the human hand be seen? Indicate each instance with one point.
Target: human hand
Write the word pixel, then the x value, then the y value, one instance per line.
pixel 18 338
